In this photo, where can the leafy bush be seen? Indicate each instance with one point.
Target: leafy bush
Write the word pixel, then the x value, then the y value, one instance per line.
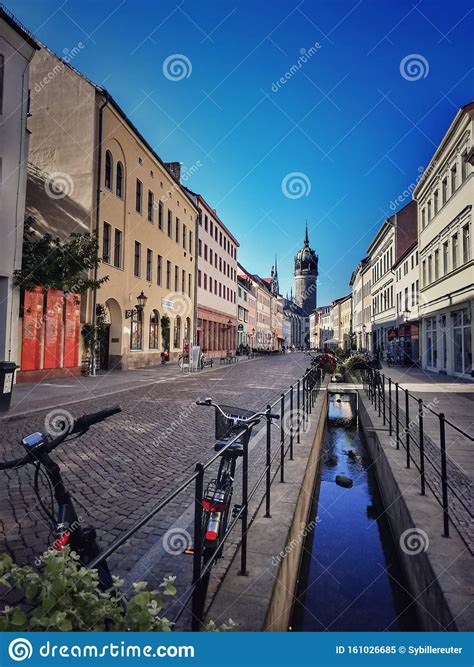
pixel 356 363
pixel 327 362
pixel 65 596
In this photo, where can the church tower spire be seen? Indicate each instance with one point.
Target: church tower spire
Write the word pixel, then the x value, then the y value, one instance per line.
pixel 306 274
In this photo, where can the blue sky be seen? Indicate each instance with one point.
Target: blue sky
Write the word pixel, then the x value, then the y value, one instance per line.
pixel 353 122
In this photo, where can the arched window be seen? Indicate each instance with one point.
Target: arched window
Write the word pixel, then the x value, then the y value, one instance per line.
pixel 154 330
pixel 187 329
pixel 119 180
pixel 177 332
pixel 108 170
pixel 136 331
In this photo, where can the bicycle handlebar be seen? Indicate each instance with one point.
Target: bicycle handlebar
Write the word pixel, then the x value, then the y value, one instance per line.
pixel 244 420
pixel 80 426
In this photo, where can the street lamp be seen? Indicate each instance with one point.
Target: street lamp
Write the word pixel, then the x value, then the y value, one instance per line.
pixel 406 314
pixel 140 306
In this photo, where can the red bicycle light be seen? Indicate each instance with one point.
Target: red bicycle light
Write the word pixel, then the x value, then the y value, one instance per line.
pixel 212 506
pixel 211 536
pixel 61 542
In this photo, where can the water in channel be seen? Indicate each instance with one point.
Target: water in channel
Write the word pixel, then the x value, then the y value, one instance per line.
pixel 350 578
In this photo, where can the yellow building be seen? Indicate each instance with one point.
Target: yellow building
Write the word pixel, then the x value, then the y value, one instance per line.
pixel 91 170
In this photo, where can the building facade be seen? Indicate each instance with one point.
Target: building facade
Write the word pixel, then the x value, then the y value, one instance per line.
pixel 17 48
pixel 406 347
pixel 115 185
pixel 324 331
pixel 445 198
pixel 243 303
pixel 381 253
pixel 216 283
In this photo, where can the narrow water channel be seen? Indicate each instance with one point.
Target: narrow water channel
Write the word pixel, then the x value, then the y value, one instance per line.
pixel 351 578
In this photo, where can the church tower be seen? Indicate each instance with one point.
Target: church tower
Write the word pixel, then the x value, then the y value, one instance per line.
pixel 306 274
pixel 274 283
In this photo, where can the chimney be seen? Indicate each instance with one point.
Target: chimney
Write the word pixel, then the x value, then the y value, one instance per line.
pixel 175 170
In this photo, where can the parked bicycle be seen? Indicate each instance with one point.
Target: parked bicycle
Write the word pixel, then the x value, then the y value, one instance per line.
pixel 217 501
pixel 66 527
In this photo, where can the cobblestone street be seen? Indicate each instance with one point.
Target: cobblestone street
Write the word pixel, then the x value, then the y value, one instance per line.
pixel 120 469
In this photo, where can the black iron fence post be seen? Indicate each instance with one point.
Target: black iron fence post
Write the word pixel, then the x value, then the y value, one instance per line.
pixel 407 425
pixel 291 421
pixel 390 407
pixel 298 412
pixel 282 438
pixel 245 502
pixel 397 415
pixel 444 473
pixel 197 603
pixel 383 398
pixel 303 398
pixel 379 382
pixel 421 437
pixel 268 465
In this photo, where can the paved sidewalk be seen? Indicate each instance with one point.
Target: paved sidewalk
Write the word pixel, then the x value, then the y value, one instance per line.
pixel 31 397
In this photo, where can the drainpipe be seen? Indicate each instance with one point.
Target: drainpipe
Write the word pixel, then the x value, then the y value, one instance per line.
pixel 97 222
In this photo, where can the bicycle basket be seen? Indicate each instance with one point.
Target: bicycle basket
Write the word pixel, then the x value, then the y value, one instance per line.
pixel 225 425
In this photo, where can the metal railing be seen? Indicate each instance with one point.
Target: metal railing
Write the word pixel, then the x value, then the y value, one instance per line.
pixel 303 393
pixel 405 416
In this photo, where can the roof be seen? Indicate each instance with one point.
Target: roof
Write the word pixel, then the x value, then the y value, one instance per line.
pixel 8 17
pixel 403 256
pixel 467 108
pixel 103 91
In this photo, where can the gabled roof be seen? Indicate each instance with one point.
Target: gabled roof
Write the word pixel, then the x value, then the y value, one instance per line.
pixel 24 33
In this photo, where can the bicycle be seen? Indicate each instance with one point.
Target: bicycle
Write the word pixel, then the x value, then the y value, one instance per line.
pixel 216 504
pixel 66 524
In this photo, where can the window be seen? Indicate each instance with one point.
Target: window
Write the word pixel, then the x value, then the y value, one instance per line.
pixel 108 170
pixel 453 178
pixel 136 330
pixel 199 277
pixel 154 335
pixel 200 247
pixel 205 251
pixel 205 281
pixel 176 278
pixel 184 236
pixel 443 362
pixel 160 215
pixel 423 272
pixel 119 180
pixel 189 284
pixel 205 222
pixel 436 264
pixel 118 249
pixel 435 203
pixel 137 259
pixel 177 230
pixel 190 242
pixel 431 343
pixel 151 205
pixel 462 341
pixel 149 264
pixel 177 332
pixel 454 251
pixel 159 269
pixel 168 274
pixel 211 227
pixel 430 276
pixel 445 258
pixel 444 190
pixel 466 251
pixel 423 218
pixel 106 238
pixel 429 211
pixel 170 224
pixel 138 196
pixel 183 281
pixel 464 166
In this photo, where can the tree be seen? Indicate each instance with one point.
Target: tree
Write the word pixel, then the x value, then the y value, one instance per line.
pixel 53 263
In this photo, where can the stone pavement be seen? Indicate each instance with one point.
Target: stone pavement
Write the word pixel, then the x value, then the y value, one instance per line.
pixel 121 468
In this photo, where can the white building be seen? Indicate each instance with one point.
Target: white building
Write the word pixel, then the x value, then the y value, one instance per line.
pixel 445 198
pixel 360 283
pixel 17 47
pixel 406 268
pixel 381 254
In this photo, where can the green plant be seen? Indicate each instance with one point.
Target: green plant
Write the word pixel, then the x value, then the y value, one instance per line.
pixel 165 331
pixel 54 263
pixel 356 363
pixel 65 596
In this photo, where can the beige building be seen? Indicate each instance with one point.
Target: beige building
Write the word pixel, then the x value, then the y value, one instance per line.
pixel 341 312
pixel 445 198
pixel 216 283
pixel 361 305
pixel 92 171
pixel 16 51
